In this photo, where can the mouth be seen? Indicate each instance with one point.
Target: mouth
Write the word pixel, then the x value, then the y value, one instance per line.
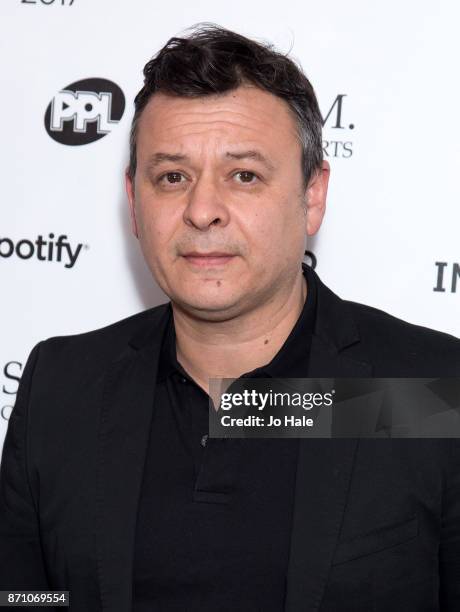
pixel 206 260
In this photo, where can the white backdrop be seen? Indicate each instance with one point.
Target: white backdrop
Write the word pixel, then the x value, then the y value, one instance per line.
pixel 392 139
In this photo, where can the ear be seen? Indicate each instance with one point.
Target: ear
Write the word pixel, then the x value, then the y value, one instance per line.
pixel 315 198
pixel 129 185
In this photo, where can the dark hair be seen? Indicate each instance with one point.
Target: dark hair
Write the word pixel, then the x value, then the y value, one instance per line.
pixel 213 60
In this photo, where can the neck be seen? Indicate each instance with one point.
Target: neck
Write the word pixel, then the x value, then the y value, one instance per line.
pixel 228 349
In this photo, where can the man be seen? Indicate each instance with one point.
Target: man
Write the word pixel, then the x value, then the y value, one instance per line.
pixel 110 485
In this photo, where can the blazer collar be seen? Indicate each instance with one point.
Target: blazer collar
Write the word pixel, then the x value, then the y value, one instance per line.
pixel 335 324
pixel 323 471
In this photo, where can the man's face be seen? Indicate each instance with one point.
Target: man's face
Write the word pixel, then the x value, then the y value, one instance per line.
pixel 222 174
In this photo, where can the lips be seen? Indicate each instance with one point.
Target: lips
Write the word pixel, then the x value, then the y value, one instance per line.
pixel 213 258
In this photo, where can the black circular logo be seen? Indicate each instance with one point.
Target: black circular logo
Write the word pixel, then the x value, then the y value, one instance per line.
pixel 84 111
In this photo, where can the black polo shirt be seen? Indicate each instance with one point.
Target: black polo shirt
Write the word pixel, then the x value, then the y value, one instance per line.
pixel 214 515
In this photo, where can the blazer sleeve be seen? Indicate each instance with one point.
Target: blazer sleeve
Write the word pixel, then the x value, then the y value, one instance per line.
pixel 449 550
pixel 21 560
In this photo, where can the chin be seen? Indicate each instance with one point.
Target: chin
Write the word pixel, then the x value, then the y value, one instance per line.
pixel 210 306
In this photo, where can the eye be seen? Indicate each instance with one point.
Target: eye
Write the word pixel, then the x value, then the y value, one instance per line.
pixel 171 177
pixel 246 176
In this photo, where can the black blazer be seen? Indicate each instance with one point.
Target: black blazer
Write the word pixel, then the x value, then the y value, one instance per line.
pixel 376 523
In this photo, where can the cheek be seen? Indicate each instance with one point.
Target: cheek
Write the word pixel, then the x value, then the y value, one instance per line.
pixel 271 229
pixel 156 228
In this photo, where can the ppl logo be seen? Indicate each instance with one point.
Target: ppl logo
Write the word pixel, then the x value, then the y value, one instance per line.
pixel 84 111
pixel 60 250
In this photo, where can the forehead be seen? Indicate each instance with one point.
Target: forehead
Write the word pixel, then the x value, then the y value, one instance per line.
pixel 245 115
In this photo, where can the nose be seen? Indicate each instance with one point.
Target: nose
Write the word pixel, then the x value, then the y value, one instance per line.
pixel 206 206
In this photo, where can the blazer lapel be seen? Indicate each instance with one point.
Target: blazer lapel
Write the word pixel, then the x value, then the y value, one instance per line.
pixel 124 427
pixel 324 466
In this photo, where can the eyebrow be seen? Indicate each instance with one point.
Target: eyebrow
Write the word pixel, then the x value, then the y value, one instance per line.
pixel 251 154
pixel 158 158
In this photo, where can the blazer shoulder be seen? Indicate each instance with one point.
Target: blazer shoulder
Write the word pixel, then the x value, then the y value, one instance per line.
pixel 105 342
pixel 388 338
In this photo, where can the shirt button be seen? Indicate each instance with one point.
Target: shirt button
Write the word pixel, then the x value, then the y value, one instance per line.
pixel 204 439
pixel 183 380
